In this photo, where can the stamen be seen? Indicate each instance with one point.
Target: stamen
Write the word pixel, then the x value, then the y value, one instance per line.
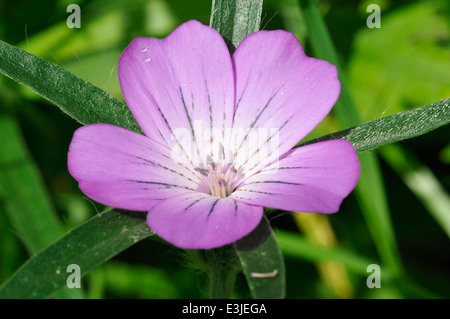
pixel 215 186
pixel 202 171
pixel 228 173
pixel 222 182
pixel 222 151
pixel 219 169
pixel 210 162
pixel 223 191
pixel 221 177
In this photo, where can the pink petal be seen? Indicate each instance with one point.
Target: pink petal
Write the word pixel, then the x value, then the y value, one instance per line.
pixel 311 178
pixel 278 86
pixel 200 221
pixel 120 168
pixel 181 88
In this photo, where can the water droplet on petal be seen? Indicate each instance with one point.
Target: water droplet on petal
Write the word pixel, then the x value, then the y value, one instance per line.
pixel 146 60
pixel 281 93
pixel 143 50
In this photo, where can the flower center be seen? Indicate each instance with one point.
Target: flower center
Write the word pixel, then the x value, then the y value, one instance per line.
pixel 218 177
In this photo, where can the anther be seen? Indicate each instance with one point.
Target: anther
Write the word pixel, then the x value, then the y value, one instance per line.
pixel 221 151
pixel 202 171
pixel 210 162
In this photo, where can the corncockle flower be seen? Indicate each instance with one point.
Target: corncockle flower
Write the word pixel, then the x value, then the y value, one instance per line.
pixel 219 136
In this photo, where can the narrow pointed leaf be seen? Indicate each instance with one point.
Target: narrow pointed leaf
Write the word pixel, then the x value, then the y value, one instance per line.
pixel 262 262
pixel 395 127
pixel 88 245
pixel 235 19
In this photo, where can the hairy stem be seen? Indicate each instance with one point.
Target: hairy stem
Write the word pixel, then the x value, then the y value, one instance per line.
pixel 221 266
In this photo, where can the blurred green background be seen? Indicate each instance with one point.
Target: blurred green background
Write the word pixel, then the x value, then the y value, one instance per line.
pixel 402 65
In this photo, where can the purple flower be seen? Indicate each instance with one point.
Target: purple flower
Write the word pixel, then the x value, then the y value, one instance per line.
pixel 219 136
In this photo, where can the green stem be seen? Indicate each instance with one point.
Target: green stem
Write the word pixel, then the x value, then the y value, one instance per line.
pixel 221 282
pixel 221 266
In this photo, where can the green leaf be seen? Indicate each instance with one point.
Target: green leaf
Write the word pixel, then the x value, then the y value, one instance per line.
pixel 262 262
pixel 235 19
pixel 395 127
pixel 88 245
pixel 80 99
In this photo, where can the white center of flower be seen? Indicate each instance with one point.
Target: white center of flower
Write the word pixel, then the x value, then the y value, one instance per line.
pixel 218 177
